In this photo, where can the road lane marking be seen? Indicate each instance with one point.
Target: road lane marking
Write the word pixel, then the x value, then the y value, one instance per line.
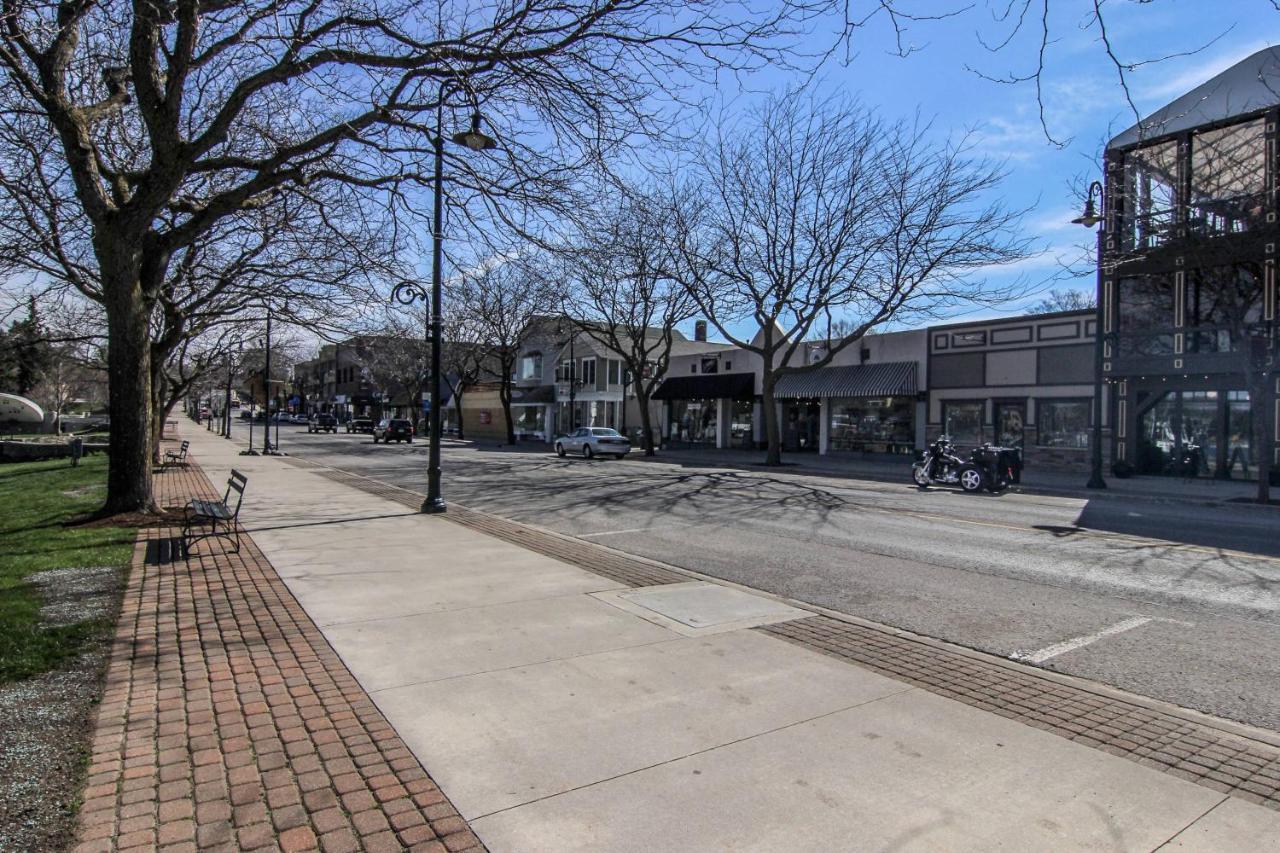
pixel 1078 642
pixel 666 526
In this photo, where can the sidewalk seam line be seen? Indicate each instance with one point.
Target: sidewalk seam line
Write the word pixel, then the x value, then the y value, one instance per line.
pixel 906 689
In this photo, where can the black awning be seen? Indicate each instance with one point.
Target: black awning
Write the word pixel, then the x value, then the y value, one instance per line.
pixel 535 394
pixel 708 386
pixel 886 379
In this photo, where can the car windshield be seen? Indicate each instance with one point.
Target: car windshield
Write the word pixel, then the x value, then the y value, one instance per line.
pixel 604 432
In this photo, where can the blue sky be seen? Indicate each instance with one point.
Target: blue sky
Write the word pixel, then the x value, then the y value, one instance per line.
pixel 1085 104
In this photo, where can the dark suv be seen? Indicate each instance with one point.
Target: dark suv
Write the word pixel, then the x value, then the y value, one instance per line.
pixel 360 425
pixel 393 429
pixel 322 422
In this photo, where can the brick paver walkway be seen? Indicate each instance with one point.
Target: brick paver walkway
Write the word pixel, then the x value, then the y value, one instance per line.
pixel 228 723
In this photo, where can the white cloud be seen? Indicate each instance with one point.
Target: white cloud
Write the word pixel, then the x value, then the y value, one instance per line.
pixel 1159 83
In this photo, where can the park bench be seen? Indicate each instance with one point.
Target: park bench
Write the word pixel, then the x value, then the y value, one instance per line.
pixel 221 517
pixel 176 457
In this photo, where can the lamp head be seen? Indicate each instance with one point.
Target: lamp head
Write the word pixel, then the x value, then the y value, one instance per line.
pixel 475 139
pixel 1090 217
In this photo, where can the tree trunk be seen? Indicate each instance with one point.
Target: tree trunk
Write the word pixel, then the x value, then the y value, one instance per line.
pixel 773 439
pixel 457 407
pixel 646 422
pixel 129 384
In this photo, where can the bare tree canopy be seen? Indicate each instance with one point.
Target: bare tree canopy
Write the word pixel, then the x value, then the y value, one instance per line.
pixel 620 293
pixel 504 298
pixel 142 128
pixel 1065 300
pixel 816 212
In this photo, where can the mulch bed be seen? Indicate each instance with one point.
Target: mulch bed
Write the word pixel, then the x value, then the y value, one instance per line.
pixel 47 719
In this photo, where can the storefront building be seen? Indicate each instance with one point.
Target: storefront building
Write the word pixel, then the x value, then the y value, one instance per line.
pixel 862 408
pixel 709 410
pixel 1188 281
pixel 1022 382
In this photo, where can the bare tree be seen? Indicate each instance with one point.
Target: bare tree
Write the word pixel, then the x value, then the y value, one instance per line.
pixel 1065 300
pixel 622 295
pixel 145 127
pixel 465 360
pixel 505 298
pixel 814 213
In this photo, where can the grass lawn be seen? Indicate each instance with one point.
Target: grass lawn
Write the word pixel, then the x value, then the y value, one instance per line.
pixel 35 498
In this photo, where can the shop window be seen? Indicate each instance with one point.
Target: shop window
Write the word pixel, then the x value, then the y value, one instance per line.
pixel 1146 314
pixel 694 421
pixel 531 366
pixel 1150 195
pixel 1228 179
pixel 710 365
pixel 872 424
pixel 588 372
pixel 962 421
pixel 1221 303
pixel 1063 423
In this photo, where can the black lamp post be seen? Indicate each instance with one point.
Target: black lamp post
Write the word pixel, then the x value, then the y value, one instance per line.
pixel 226 401
pixel 1089 218
pixel 406 292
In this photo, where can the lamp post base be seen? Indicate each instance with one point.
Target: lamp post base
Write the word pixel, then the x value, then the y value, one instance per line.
pixel 249 453
pixel 432 506
pixel 1096 482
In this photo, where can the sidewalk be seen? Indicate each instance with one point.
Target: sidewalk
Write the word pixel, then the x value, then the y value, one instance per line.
pixel 228 723
pixel 568 697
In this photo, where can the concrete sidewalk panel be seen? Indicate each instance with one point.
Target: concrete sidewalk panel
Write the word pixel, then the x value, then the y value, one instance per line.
pixel 911 772
pixel 428 647
pixel 503 738
pixel 1232 825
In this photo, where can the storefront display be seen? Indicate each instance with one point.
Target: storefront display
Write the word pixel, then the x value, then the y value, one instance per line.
pixel 693 421
pixel 873 424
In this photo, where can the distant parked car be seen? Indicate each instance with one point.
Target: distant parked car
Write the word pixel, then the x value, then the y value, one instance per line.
pixel 299 419
pixel 360 425
pixel 322 422
pixel 393 429
pixel 281 418
pixel 592 441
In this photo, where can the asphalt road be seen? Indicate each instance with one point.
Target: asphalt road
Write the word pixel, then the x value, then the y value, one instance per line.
pixel 1168 600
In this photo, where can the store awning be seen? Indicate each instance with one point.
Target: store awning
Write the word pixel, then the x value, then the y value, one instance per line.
pixel 886 379
pixel 534 395
pixel 708 386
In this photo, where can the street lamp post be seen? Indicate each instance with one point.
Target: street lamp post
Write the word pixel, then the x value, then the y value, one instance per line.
pixel 406 292
pixel 227 401
pixel 266 389
pixel 1089 218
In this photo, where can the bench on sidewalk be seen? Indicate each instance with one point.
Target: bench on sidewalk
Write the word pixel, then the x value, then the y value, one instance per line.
pixel 222 519
pixel 176 457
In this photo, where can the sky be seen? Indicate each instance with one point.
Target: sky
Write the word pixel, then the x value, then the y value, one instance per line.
pixel 1084 103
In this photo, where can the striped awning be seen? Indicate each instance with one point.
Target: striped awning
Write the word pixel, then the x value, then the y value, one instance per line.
pixel 885 379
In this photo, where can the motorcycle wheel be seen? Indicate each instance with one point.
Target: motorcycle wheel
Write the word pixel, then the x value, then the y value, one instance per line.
pixel 919 477
pixel 972 479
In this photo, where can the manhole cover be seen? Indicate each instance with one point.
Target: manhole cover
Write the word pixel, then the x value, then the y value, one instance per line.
pixel 703 607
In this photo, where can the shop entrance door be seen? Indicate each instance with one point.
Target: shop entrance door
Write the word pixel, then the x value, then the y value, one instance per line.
pixel 800 424
pixel 1011 421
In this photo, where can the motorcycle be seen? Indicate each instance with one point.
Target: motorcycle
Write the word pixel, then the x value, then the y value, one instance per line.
pixel 990 468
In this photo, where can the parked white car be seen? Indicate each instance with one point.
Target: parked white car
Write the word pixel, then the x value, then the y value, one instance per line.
pixel 593 441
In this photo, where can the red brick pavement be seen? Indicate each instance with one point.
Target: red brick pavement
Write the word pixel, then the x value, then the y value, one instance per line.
pixel 228 723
